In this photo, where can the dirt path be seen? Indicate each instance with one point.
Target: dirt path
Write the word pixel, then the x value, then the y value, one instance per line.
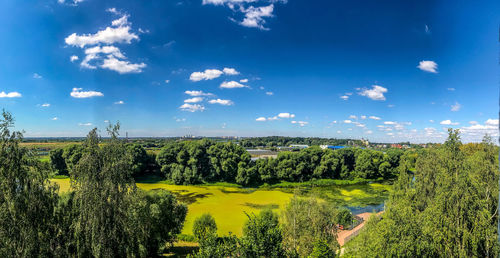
pixel 345 235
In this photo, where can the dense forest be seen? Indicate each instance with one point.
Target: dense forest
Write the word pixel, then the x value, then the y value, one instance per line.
pixel 198 161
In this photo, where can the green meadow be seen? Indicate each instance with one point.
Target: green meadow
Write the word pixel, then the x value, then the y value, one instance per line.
pixel 228 204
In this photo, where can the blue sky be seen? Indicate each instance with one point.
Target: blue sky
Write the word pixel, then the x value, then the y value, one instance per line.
pixel 383 70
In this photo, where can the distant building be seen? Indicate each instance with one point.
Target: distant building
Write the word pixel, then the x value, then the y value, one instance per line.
pixel 299 146
pixel 332 147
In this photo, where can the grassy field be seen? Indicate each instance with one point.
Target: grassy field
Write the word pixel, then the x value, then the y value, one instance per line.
pixel 228 204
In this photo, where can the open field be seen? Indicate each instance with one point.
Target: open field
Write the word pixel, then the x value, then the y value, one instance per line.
pixel 229 204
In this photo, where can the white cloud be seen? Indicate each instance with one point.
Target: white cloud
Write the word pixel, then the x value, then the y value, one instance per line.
pixel 339 131
pixel 37 76
pixel 456 107
pixel 121 66
pixel 106 121
pixel 391 105
pixel 432 121
pixel 180 119
pixel 244 80
pixel 191 107
pixel 73 58
pixel 109 35
pixel 79 93
pixel 85 124
pixel 301 123
pixel 232 85
pixel 428 66
pixel 230 71
pixel 120 102
pixel 208 74
pixel 451 89
pixel 224 102
pixel 375 93
pixel 122 21
pixel 107 57
pixel 193 100
pixel 353 117
pixel 261 119
pixel 54 118
pixel 448 122
pixel 374 117
pixel 492 122
pixel 269 93
pixel 196 93
pixel 345 97
pixel 13 94
pixel 347 121
pixel 254 16
pixel 473 122
pixel 71 2
pixel 286 115
pixel 167 81
pixel 369 132
pixel 45 105
pixel 389 123
pixel 363 117
pixel 112 10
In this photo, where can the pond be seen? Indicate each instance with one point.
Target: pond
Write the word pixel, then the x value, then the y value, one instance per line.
pixel 228 205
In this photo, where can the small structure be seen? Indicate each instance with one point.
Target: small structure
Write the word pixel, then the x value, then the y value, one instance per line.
pixel 332 147
pixel 299 146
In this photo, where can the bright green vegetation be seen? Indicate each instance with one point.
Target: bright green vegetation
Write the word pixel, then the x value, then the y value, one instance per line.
pixel 229 204
pixel 447 207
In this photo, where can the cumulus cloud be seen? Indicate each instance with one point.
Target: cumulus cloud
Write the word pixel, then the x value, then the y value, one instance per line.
pixel 492 122
pixel 374 117
pixel 428 66
pixel 107 56
pixel 451 89
pixel 269 93
pixel 120 102
pixel 45 105
pixel 224 102
pixel 73 58
pixel 448 122
pixel 122 66
pixel 193 100
pixel 70 2
pixel 109 35
pixel 37 76
pixel 254 16
pixel 389 123
pixel 347 121
pixel 244 80
pixel 261 119
pixel 375 93
pixel 230 71
pixel 353 117
pixel 85 124
pixel 13 94
pixel 301 123
pixel 54 118
pixel 286 115
pixel 79 93
pixel 196 93
pixel 191 107
pixel 167 81
pixel 456 107
pixel 208 74
pixel 232 85
pixel 363 117
pixel 344 97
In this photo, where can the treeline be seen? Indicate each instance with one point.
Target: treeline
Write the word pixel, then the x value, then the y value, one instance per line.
pixel 446 207
pixel 275 141
pixel 104 215
pixel 198 161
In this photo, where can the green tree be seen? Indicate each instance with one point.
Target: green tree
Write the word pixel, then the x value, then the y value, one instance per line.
pixel 262 236
pixel 204 227
pixel 27 198
pixel 306 221
pixel 103 183
pixel 57 161
pixel 321 249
